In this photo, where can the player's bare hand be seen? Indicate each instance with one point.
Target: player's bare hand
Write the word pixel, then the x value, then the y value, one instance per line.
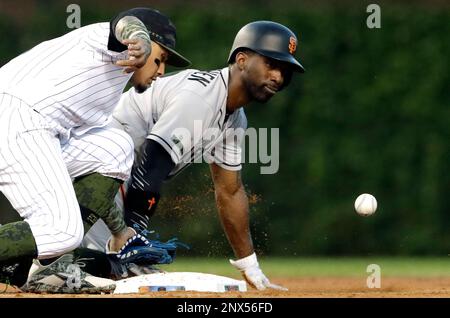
pixel 118 240
pixel 138 52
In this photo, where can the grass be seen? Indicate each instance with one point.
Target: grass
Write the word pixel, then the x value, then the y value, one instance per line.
pixel 320 267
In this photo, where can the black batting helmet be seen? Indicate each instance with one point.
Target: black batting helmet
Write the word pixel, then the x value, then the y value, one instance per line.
pixel 269 39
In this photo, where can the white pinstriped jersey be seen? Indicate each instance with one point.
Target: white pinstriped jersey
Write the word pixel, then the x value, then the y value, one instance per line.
pixel 70 80
pixel 192 102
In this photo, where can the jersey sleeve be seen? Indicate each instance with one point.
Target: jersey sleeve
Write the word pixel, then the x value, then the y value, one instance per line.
pixel 227 153
pixel 98 37
pixel 180 126
pixel 133 113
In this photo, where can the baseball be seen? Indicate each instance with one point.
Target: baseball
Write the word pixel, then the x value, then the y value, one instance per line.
pixel 366 204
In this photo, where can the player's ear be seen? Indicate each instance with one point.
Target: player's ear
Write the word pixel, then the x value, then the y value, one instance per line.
pixel 241 59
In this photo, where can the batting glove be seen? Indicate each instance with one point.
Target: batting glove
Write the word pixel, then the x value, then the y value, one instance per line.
pixel 249 268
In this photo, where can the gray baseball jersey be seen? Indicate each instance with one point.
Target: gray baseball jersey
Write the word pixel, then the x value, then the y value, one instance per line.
pixel 186 113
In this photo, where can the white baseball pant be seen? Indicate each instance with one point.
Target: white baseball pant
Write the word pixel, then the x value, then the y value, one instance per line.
pixel 36 172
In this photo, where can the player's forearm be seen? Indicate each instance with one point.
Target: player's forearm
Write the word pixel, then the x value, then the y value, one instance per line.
pixel 233 212
pixel 146 182
pixel 130 27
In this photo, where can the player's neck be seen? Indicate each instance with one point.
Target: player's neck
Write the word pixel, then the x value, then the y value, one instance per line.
pixel 237 96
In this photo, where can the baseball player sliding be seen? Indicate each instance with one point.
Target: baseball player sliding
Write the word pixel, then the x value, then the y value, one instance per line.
pixel 56 103
pixel 171 125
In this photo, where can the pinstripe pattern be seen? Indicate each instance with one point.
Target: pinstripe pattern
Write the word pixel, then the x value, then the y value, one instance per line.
pixel 71 80
pixel 56 101
pixel 105 150
pixel 35 180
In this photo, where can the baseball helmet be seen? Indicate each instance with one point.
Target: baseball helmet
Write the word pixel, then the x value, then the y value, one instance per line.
pixel 269 39
pixel 160 29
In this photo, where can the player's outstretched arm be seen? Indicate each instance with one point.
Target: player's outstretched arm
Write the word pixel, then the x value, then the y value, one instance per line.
pixel 131 32
pixel 232 204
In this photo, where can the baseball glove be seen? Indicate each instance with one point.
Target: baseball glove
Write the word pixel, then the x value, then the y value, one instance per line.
pixel 140 250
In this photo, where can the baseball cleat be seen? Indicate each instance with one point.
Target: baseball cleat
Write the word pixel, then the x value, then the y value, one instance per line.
pixel 64 276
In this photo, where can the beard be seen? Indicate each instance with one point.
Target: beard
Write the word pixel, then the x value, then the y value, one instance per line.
pixel 140 88
pixel 258 93
pixel 139 85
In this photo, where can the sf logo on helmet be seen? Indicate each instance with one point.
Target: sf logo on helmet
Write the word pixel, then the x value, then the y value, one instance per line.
pixel 292 45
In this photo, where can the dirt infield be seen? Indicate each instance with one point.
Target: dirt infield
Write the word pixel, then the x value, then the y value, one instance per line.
pixel 302 287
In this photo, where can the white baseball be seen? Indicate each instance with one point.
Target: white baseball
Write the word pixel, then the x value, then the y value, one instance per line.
pixel 366 204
